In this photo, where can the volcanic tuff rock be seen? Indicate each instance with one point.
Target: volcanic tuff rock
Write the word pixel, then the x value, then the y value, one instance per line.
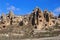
pixel 38 19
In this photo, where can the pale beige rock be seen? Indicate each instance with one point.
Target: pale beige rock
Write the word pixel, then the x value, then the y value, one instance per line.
pixel 38 19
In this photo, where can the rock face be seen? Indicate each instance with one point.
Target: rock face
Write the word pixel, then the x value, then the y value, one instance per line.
pixel 38 19
pixel 41 20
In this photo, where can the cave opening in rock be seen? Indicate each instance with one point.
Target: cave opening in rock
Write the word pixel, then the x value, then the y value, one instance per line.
pixel 35 27
pixel 21 23
pixel 4 26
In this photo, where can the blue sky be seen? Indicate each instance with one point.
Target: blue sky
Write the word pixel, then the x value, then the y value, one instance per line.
pixel 21 7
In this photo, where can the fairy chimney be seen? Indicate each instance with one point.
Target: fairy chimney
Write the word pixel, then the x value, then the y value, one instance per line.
pixel 3 18
pixel 11 14
pixel 37 19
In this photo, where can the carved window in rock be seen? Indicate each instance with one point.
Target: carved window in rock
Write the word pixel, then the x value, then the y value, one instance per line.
pixel 14 17
pixel 2 22
pixel 21 23
pixel 45 24
pixel 39 16
pixel 53 22
pixel 25 21
pixel 7 16
pixel 4 26
pixel 40 20
pixel 35 27
pixel 50 23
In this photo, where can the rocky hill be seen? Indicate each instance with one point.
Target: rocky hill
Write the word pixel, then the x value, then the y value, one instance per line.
pixel 37 24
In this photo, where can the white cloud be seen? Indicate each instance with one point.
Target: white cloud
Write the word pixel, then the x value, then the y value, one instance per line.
pixel 57 11
pixel 13 8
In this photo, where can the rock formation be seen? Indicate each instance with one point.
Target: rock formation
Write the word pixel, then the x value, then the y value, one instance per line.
pixel 38 19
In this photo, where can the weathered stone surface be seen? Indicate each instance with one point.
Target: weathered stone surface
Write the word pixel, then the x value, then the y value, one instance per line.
pixel 39 20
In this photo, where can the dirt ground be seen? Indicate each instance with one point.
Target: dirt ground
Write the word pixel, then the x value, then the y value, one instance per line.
pixel 7 37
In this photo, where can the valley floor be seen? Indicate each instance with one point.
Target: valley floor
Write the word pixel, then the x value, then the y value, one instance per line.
pixel 17 37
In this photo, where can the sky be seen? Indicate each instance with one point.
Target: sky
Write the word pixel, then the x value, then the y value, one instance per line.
pixel 22 7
